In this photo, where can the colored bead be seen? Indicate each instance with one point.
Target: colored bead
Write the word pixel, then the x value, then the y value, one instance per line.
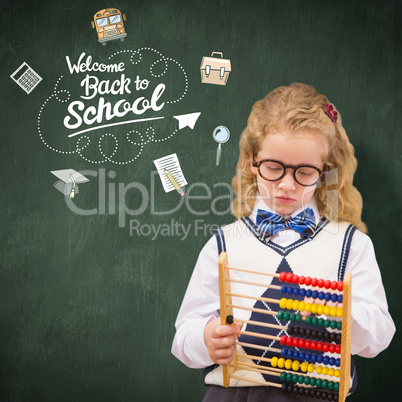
pixel 334 312
pixel 324 384
pixel 302 343
pixel 336 386
pixel 295 292
pixel 289 304
pixel 295 305
pixel 332 348
pixel 282 303
pixel 334 285
pixel 338 362
pixel 295 279
pixel 312 358
pixel 299 316
pixel 302 292
pixel 274 361
pixel 325 347
pixel 310 368
pixel 304 367
pixel 314 294
pixel 328 296
pixel 320 358
pixel 283 289
pixel 326 360
pixel 331 385
pixel 286 315
pixel 295 366
pixel 319 346
pixel 281 363
pixel 338 349
pixel 332 361
pixel 314 282
pixel 314 321
pixel 290 329
pixel 295 343
pixel 283 339
pixel 289 290
pixel 318 382
pixel 307 344
pixel 318 369
pixel 308 292
pixel 325 370
pixel 313 381
pixel 337 373
pixel 320 309
pixel 338 338
pixel 301 280
pixel 295 354
pixel 289 377
pixel 290 353
pixel 308 320
pixel 289 277
pixel 334 298
pixel 306 381
pixel 333 324
pixel 340 286
pixel 292 317
pixel 289 341
pixel 327 284
pixel 296 330
pixel 307 281
pixel 339 312
pixel 301 379
pixel 282 377
pixel 313 345
pixel 282 276
pixel 327 323
pixel 302 306
pixel 301 354
pixel 295 377
pixel 288 364
pixel 314 308
pixel 284 352
pixel 340 298
pixel 280 315
pixel 331 372
pixel 308 307
pixel 320 322
pixel 321 295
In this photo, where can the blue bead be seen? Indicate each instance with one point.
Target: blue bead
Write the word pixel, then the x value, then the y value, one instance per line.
pixel 308 293
pixel 314 294
pixel 307 356
pixel 296 291
pixel 283 288
pixel 334 298
pixel 319 359
pixel 326 360
pixel 313 358
pixel 340 298
pixel 289 290
pixel 284 352
pixel 301 355
pixel 302 292
pixel 338 362
pixel 321 295
pixel 290 353
pixel 332 361
pixel 328 296
pixel 295 354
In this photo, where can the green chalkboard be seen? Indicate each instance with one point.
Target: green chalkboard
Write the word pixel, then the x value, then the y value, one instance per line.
pixel 90 286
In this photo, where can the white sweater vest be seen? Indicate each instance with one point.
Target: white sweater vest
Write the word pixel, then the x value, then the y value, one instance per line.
pixel 323 257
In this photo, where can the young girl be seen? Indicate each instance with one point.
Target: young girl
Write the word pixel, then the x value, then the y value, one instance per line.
pixel 298 212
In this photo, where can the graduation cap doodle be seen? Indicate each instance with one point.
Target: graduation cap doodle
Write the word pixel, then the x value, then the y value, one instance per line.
pixel 68 181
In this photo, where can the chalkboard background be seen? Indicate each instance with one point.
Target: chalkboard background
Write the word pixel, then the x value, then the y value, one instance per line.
pixel 88 306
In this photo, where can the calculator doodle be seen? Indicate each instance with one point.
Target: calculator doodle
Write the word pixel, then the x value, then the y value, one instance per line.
pixel 26 77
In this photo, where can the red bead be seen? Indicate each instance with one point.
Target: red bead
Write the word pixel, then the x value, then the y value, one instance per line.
pixel 338 349
pixel 325 347
pixel 301 280
pixel 334 285
pixel 340 286
pixel 289 341
pixel 282 276
pixel 295 279
pixel 283 339
pixel 319 346
pixel 332 348
pixel 289 277
pixel 301 343
pixel 307 345
pixel 307 281
pixel 320 283
pixel 314 282
pixel 327 284
pixel 313 345
pixel 295 342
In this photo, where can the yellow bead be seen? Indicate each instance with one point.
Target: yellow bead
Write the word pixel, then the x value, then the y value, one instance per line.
pixel 295 305
pixel 308 307
pixel 318 369
pixel 274 362
pixel 325 370
pixel 314 308
pixel 331 372
pixel 327 310
pixel 337 373
pixel 295 365
pixel 304 367
pixel 339 312
pixel 281 363
pixel 333 311
pixel 288 364
pixel 320 309
pixel 302 306
pixel 311 368
pixel 282 303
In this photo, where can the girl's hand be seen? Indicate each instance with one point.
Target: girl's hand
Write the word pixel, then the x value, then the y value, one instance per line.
pixel 220 340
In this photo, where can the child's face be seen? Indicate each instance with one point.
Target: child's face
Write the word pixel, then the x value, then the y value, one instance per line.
pixel 285 195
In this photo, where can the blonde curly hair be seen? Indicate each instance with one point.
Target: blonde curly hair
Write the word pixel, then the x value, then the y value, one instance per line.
pixel 292 108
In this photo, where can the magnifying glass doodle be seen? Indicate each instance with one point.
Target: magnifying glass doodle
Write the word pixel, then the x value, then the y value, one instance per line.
pixel 221 135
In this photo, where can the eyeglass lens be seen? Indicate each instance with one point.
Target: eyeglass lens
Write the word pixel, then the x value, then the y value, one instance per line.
pixel 304 175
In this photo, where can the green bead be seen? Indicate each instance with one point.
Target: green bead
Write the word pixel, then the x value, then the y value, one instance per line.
pixel 333 324
pixel 292 317
pixel 282 377
pixel 308 320
pixel 301 379
pixel 295 377
pixel 318 382
pixel 313 381
pixel 286 315
pixel 298 317
pixel 321 322
pixel 306 381
pixel 327 323
pixel 280 315
pixel 324 384
pixel 314 321
pixel 339 325
pixel 289 377
pixel 331 385
pixel 336 386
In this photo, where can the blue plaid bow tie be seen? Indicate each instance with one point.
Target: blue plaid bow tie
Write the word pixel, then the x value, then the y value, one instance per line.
pixel 269 223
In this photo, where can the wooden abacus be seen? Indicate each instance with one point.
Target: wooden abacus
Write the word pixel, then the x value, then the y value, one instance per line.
pixel 337 341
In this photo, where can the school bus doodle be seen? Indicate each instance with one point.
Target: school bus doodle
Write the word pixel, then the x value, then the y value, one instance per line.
pixel 109 25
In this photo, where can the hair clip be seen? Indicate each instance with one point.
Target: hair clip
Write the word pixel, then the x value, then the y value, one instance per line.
pixel 333 114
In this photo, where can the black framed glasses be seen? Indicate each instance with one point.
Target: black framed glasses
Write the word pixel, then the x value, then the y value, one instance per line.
pixel 271 170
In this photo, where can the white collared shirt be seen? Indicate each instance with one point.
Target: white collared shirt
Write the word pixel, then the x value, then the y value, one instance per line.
pixel 372 325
